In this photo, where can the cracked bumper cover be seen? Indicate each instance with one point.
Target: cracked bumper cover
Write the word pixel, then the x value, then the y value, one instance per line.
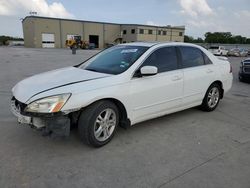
pixel 57 124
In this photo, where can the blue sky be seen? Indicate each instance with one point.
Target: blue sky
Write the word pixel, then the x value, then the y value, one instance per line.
pixel 198 16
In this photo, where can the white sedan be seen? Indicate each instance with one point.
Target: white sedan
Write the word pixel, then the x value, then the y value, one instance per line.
pixel 123 85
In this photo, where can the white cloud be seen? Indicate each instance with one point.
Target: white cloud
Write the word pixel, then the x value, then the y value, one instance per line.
pixel 195 8
pixel 23 7
pixel 200 18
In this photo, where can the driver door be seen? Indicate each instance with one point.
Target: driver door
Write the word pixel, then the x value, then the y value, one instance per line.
pixel 153 96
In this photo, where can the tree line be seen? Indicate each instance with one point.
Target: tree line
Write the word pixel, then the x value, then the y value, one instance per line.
pixel 219 37
pixel 4 39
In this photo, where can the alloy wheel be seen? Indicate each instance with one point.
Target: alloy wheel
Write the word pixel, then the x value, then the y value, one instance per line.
pixel 105 124
pixel 213 97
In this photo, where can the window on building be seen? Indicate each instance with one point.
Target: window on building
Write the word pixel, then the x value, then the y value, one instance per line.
pixel 159 32
pixel 191 57
pixel 180 34
pixel 165 59
pixel 150 31
pixel 141 31
pixel 124 32
pixel 164 32
pixel 133 31
pixel 123 41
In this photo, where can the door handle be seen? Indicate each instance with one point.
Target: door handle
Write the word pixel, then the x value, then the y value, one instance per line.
pixel 176 78
pixel 209 71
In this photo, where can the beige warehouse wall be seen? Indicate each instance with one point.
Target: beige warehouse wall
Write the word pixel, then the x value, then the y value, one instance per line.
pixel 28 32
pixel 33 27
pixel 111 33
pixel 46 26
pixel 146 36
pixel 162 37
pixel 129 37
pixel 93 29
pixel 70 28
pixel 175 35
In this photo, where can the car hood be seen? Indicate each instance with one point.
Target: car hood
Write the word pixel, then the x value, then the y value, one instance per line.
pixel 39 83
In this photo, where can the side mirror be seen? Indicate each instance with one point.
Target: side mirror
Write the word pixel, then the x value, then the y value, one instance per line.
pixel 149 70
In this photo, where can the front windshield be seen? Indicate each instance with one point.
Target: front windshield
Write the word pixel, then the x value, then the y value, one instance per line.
pixel 114 60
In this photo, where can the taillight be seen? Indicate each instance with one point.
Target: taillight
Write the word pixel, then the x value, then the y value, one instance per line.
pixel 231 69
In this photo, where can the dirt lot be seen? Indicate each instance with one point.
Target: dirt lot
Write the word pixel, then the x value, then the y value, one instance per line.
pixel 186 149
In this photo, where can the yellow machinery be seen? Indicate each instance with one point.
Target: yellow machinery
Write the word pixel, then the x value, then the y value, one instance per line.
pixel 76 42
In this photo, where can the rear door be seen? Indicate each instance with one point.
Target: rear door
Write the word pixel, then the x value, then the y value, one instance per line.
pixel 198 73
pixel 153 96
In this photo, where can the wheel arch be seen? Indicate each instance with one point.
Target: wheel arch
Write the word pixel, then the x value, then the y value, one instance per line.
pixel 221 87
pixel 124 120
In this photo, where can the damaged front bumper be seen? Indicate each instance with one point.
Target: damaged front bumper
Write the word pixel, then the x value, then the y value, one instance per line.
pixel 57 124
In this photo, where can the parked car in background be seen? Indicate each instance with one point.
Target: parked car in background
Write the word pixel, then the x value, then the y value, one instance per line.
pixel 218 50
pixel 243 52
pixel 122 85
pixel 238 52
pixel 244 73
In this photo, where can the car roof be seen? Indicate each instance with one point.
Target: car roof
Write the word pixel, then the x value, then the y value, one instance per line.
pixel 146 44
pixel 150 44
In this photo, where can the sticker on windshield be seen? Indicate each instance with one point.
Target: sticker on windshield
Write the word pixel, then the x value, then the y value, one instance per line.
pixel 129 51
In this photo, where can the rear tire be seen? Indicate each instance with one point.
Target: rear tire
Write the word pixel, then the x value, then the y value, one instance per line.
pixel 98 122
pixel 212 98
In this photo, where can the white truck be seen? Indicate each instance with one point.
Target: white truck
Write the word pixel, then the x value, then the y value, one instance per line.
pixel 218 50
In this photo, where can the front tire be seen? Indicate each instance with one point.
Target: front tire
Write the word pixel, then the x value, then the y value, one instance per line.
pixel 98 122
pixel 212 98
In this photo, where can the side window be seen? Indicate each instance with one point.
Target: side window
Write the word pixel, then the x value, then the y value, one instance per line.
pixel 191 57
pixel 165 59
pixel 206 59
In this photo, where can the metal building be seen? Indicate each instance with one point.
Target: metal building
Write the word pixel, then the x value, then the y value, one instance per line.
pixel 45 32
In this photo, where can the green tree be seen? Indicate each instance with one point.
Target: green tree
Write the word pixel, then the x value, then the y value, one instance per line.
pixel 4 39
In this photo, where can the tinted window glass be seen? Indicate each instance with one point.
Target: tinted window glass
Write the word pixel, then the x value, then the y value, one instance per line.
pixel 165 59
pixel 206 59
pixel 141 31
pixel 191 57
pixel 150 32
pixel 164 32
pixel 133 31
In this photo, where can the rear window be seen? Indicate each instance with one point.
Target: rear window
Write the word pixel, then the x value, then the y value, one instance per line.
pixel 191 57
pixel 206 59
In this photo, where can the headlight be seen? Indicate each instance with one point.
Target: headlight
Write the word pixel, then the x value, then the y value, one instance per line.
pixel 49 104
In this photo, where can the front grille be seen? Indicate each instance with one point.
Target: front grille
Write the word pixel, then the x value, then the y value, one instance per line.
pixel 247 63
pixel 247 69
